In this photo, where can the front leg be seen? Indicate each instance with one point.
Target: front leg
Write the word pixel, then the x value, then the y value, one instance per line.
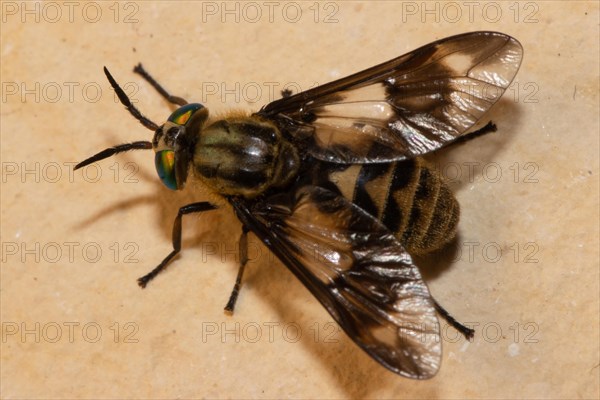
pixel 138 69
pixel 190 208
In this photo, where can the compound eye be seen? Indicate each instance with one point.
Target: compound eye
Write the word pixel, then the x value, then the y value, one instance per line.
pixel 183 114
pixel 165 166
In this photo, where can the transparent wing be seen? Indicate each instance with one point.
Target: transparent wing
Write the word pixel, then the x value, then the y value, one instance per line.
pixel 405 107
pixel 357 269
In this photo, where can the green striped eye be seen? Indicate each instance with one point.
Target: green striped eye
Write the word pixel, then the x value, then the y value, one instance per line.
pixel 182 115
pixel 181 124
pixel 165 166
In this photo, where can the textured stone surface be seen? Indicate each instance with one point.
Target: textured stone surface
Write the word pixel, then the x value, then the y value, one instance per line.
pixel 77 326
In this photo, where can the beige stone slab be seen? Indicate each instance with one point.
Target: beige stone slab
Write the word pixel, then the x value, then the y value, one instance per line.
pixel 74 322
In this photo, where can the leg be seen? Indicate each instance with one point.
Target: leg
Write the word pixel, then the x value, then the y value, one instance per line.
pixel 190 208
pixel 489 127
pixel 238 281
pixel 171 99
pixel 467 332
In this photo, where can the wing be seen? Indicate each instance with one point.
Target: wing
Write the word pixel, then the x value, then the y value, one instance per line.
pixel 357 269
pixel 405 107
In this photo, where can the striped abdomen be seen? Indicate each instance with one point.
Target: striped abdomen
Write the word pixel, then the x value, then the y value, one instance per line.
pixel 408 197
pixel 244 157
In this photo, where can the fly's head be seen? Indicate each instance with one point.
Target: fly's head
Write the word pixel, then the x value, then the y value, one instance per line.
pixel 174 141
pixel 174 144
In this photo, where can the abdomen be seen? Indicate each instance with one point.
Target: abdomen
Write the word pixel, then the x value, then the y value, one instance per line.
pixel 409 197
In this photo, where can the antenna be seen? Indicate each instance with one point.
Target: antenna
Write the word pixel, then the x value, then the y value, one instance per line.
pixel 127 103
